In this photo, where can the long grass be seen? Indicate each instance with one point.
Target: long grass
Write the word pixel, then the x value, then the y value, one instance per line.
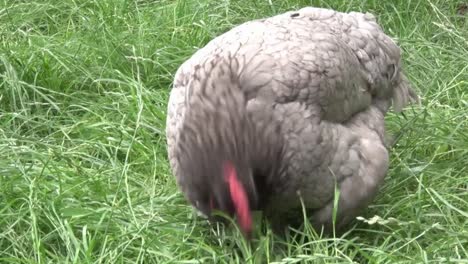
pixel 84 176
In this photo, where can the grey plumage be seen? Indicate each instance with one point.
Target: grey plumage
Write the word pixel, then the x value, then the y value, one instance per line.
pixel 297 103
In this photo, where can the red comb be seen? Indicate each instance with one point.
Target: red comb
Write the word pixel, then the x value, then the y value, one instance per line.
pixel 239 198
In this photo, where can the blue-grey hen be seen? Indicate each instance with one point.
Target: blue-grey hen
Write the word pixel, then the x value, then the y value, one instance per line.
pixel 282 110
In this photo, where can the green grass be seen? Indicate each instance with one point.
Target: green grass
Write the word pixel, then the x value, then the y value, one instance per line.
pixel 84 176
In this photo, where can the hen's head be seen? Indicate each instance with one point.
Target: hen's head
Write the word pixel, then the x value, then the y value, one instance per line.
pixel 215 156
pixel 216 173
pixel 226 155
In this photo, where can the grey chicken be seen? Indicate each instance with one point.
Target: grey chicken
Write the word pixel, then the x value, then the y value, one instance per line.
pixel 281 111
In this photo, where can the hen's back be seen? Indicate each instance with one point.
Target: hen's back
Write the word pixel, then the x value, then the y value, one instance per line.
pixel 338 61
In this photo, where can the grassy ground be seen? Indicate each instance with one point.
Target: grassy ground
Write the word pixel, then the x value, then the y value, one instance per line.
pixel 84 176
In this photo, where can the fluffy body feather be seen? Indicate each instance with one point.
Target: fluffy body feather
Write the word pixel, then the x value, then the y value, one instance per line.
pixel 297 103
